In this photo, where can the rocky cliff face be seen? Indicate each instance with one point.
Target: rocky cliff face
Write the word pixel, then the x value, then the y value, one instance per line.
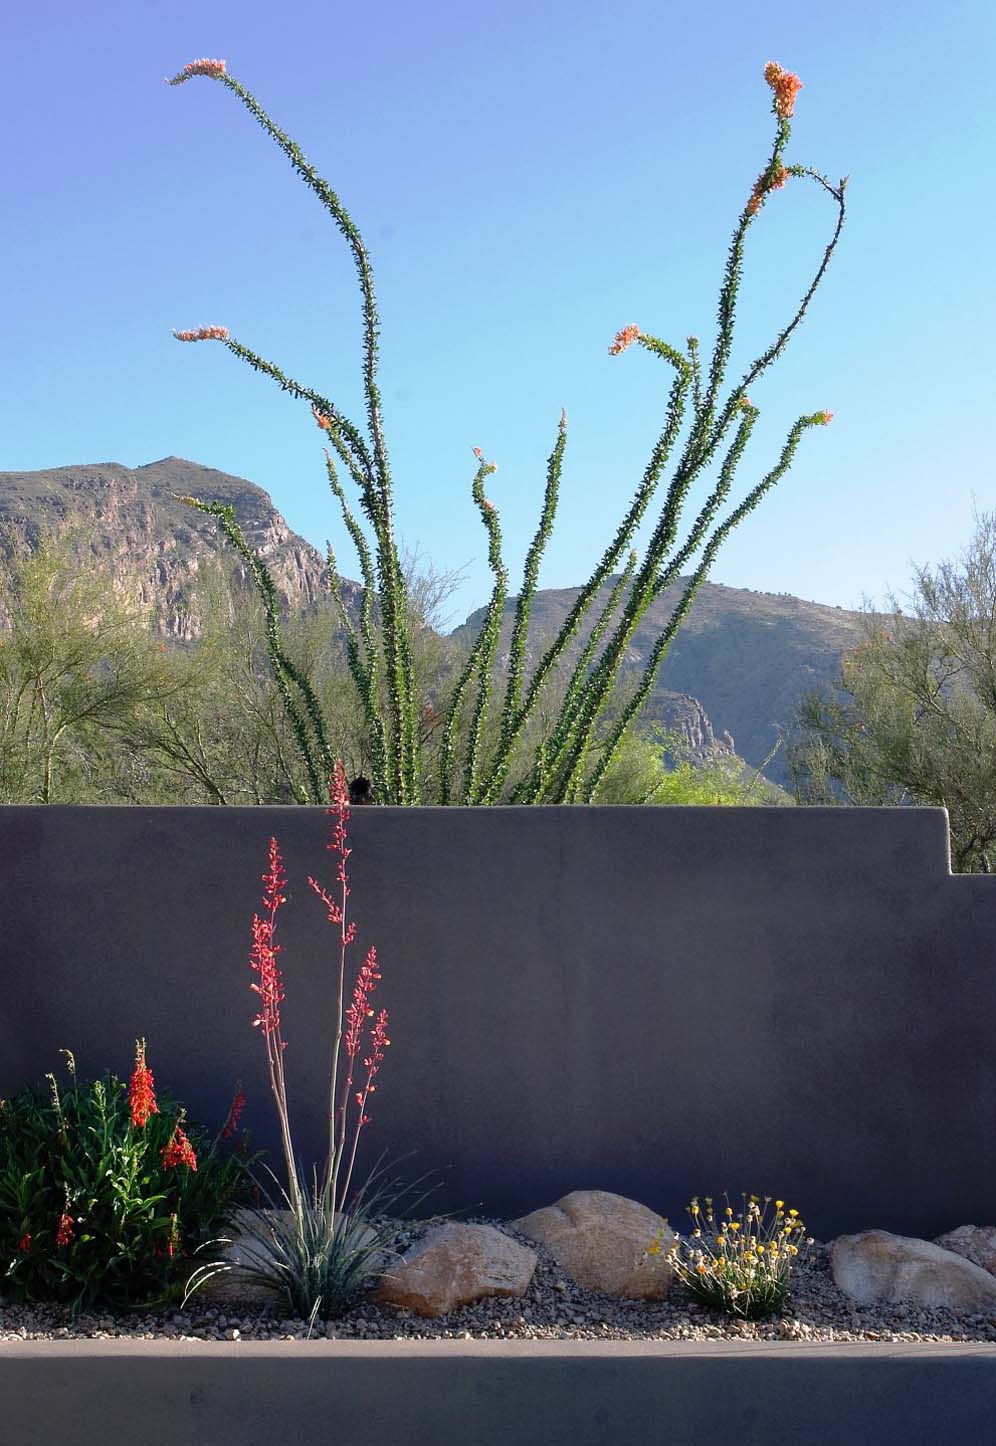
pixel 743 658
pixel 678 713
pixel 154 546
pixel 738 666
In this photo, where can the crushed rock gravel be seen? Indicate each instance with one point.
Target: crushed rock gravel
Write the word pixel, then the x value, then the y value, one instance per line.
pixel 553 1308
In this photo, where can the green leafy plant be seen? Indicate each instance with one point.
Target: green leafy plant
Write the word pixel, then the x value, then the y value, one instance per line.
pixel 106 1191
pixel 497 741
pixel 912 719
pixel 739 1262
pixel 320 1252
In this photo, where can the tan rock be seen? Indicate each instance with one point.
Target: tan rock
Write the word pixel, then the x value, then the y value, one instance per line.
pixel 976 1243
pixel 454 1265
pixel 600 1240
pixel 878 1268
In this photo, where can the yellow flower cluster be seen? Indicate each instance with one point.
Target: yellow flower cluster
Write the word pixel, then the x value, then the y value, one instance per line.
pixel 738 1261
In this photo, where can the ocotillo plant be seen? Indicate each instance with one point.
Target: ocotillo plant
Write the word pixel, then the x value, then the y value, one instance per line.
pixel 488 753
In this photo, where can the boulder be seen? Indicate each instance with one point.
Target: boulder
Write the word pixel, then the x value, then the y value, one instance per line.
pixel 878 1268
pixel 976 1243
pixel 600 1240
pixel 454 1265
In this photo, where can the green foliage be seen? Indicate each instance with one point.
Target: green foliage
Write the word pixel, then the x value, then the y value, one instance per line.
pixel 481 758
pixel 658 766
pixel 97 707
pixel 76 663
pixel 738 1262
pixel 318 1259
pixel 73 1155
pixel 913 719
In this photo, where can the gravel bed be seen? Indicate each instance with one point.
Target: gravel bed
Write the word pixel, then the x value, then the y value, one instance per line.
pixel 553 1308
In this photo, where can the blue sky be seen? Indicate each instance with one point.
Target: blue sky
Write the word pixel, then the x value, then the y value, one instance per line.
pixel 528 178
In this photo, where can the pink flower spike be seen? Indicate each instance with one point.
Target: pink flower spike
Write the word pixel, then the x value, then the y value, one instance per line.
pixel 213 68
pixel 623 339
pixel 203 333
pixel 827 418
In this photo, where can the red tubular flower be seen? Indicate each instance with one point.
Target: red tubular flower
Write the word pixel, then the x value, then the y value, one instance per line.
pixel 786 87
pixel 263 955
pixel 179 1151
pixel 203 333
pixel 378 1043
pixel 359 1009
pixel 64 1233
pixel 141 1093
pixel 263 958
pixel 213 68
pixel 323 421
pixel 234 1114
pixel 339 811
pixel 768 180
pixel 24 1244
pixel 623 339
pixel 274 879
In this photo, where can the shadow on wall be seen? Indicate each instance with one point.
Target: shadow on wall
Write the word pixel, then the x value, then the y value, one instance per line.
pixel 654 1001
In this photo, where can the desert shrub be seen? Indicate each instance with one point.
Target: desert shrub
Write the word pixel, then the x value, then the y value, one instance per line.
pixel 738 1262
pixel 478 739
pixel 106 1191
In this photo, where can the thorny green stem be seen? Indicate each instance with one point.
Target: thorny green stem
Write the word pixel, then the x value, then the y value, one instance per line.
pixel 558 770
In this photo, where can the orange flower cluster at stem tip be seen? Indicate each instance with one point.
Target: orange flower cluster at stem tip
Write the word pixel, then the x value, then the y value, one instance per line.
pixel 320 417
pixel 141 1092
pixel 786 87
pixel 203 333
pixel 827 418
pixel 623 339
pixel 213 68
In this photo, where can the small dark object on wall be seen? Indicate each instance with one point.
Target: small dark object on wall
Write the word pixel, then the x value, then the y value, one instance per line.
pixel 360 790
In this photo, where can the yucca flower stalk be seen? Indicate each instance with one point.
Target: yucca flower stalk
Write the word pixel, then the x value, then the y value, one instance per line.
pixel 335 1182
pixel 488 753
pixel 332 1241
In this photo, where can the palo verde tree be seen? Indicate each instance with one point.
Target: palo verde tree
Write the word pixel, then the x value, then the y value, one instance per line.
pixel 488 749
pixel 912 719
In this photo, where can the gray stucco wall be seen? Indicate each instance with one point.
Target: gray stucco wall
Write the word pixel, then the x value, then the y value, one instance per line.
pixel 652 1001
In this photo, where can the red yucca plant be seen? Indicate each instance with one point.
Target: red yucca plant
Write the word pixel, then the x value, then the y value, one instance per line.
pixel 348 1091
pixel 320 1258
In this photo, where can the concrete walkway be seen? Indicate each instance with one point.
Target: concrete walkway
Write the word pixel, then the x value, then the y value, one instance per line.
pixel 491 1393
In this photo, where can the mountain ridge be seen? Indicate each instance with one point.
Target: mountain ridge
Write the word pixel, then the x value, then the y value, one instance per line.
pixel 733 677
